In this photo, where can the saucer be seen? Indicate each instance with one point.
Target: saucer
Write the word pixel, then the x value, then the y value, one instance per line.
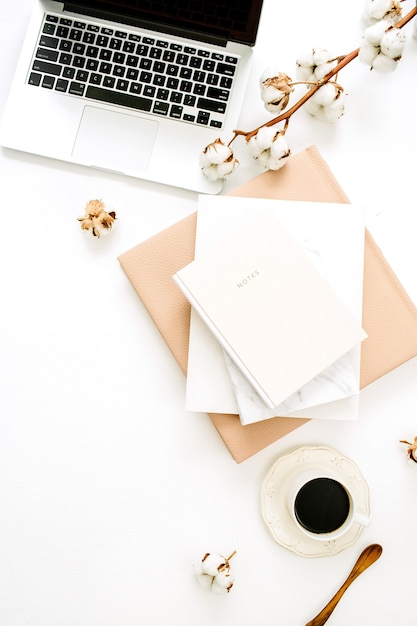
pixel 274 498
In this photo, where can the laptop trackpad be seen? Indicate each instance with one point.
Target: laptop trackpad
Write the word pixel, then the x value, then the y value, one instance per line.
pixel 114 141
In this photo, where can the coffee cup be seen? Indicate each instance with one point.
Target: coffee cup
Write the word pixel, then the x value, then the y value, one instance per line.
pixel 322 506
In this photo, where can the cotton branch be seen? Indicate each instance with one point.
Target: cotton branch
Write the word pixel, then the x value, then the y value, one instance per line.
pixel 344 60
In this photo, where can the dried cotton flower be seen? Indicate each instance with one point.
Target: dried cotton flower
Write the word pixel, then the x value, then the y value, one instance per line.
pixel 269 148
pixel 376 10
pixel 276 88
pixel 213 573
pixel 97 221
pixel 382 47
pixel 327 103
pixel 314 65
pixel 217 160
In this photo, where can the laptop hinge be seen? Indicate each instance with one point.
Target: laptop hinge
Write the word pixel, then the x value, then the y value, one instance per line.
pixel 73 7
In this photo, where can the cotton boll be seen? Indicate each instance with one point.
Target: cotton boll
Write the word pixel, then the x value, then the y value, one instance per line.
pixel 279 148
pixel 312 108
pixel 222 583
pixel 270 93
pixel 212 564
pixel 217 161
pixel 205 581
pixel 275 107
pixel 215 153
pixel 322 70
pixel 226 168
pixel 268 73
pixel 333 111
pixel 367 54
pixel 99 219
pixel 304 74
pixel 321 55
pixel 373 34
pixel 376 10
pixel 211 172
pixel 306 59
pixel 279 153
pixel 326 104
pixel 305 67
pixel 392 43
pixel 269 148
pixel 384 64
pixel 275 92
pixel 263 159
pixel 325 95
pixel 261 141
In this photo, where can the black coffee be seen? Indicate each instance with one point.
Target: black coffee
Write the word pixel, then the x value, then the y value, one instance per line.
pixel 322 505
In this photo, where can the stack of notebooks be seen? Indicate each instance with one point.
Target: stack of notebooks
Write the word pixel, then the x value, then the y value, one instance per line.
pixel 322 300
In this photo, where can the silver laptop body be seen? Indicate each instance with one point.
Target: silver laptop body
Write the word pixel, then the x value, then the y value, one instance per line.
pixel 62 106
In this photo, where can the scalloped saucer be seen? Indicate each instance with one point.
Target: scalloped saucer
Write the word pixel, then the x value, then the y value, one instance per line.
pixel 274 498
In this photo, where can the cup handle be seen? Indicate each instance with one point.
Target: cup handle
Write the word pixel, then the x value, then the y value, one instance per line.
pixel 361 519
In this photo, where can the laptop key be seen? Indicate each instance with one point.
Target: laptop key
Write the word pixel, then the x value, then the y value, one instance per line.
pixel 211 105
pixel 46 55
pixel 96 79
pixel 226 68
pixel 218 94
pixel 203 118
pixel 35 79
pixel 61 85
pixel 123 99
pixel 46 68
pixel 77 89
pixel 176 111
pixel 49 42
pixel 48 82
pixel 161 108
pixel 68 72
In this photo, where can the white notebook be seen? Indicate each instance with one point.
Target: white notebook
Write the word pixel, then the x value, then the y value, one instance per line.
pixel 269 307
pixel 333 235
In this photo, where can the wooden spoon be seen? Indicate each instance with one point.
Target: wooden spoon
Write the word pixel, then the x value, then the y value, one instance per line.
pixel 368 556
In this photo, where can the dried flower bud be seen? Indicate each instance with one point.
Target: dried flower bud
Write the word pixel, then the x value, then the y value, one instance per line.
pixel 276 88
pixel 97 221
pixel 217 160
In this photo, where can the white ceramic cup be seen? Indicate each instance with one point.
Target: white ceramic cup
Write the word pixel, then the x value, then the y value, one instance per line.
pixel 312 503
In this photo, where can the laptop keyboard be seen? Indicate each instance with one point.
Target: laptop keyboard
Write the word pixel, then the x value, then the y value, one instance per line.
pixel 151 74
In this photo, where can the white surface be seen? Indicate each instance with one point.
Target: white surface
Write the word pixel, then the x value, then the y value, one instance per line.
pixel 109 489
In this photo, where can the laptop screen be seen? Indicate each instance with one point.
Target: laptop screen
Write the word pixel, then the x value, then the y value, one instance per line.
pixel 222 20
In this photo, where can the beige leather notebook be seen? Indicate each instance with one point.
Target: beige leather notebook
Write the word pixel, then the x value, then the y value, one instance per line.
pixel 389 315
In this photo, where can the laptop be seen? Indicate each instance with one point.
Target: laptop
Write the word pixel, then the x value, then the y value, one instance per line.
pixel 137 87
